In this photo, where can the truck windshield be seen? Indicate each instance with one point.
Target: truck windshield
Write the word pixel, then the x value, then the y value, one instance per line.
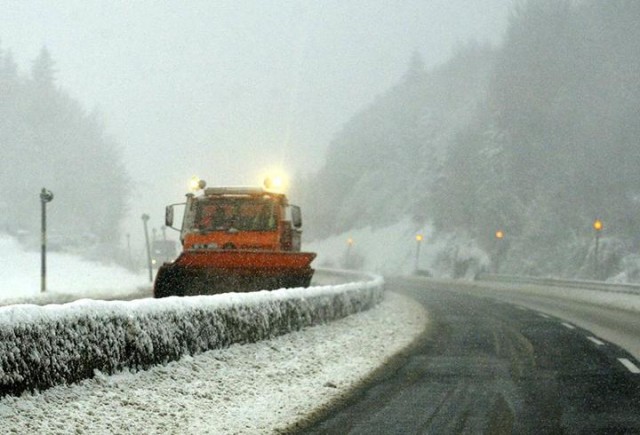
pixel 243 214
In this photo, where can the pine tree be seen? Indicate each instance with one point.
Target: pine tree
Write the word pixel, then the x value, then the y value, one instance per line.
pixel 43 69
pixel 47 139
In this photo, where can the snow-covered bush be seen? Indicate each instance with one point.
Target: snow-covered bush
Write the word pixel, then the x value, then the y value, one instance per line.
pixel 44 346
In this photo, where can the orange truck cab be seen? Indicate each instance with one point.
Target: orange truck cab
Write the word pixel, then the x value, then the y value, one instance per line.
pixel 236 239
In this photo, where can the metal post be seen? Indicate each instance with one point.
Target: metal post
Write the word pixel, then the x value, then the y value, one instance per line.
pixel 45 197
pixel 596 266
pixel 499 249
pixel 417 259
pixel 43 248
pixel 129 250
pixel 597 226
pixel 145 219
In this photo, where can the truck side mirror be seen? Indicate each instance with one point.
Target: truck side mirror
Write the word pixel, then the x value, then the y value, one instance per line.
pixel 168 216
pixel 296 216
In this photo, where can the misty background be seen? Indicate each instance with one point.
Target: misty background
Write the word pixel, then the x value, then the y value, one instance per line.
pixel 466 117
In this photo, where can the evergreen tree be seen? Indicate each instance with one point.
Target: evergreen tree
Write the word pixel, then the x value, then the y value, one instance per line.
pixel 47 139
pixel 43 70
pixel 536 138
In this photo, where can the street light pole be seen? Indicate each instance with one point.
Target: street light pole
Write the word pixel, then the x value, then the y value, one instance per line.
pixel 419 238
pixel 145 219
pixel 499 247
pixel 45 197
pixel 129 250
pixel 597 226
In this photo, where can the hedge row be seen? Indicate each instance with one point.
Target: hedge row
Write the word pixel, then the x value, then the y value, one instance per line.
pixel 45 346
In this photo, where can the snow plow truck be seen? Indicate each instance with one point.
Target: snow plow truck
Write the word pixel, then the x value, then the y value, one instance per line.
pixel 235 239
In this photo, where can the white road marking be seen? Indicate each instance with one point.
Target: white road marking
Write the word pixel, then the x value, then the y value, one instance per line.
pixel 543 315
pixel 596 341
pixel 568 325
pixel 629 365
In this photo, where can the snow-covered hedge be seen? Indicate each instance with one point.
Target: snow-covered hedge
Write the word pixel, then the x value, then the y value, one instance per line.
pixel 49 345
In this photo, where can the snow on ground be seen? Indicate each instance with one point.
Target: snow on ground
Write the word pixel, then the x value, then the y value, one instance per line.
pixel 389 250
pixel 393 250
pixel 251 389
pixel 66 275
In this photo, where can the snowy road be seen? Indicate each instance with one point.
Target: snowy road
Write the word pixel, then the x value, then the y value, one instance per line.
pixel 493 367
pixel 613 316
pixel 264 387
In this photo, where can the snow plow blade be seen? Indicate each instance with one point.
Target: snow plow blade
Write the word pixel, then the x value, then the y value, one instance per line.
pixel 209 272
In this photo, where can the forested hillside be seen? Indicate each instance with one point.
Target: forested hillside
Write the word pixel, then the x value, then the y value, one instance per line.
pixel 382 164
pixel 536 138
pixel 48 140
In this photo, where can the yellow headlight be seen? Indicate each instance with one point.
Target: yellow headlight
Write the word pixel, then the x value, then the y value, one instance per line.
pixel 276 182
pixel 196 184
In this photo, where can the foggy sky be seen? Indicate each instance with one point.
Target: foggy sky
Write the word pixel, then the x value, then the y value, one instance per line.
pixel 229 89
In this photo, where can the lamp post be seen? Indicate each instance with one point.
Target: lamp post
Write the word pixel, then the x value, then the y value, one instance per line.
pixel 499 236
pixel 45 197
pixel 419 239
pixel 597 226
pixel 348 254
pixel 145 219
pixel 129 250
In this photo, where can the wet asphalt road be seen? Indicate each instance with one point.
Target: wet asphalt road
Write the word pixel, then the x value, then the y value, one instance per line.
pixel 492 367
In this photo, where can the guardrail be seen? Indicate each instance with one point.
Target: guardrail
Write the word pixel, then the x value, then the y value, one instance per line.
pixel 553 282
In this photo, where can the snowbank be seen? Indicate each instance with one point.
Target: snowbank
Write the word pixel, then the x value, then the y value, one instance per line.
pixel 393 250
pixel 44 346
pixel 389 251
pixel 67 275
